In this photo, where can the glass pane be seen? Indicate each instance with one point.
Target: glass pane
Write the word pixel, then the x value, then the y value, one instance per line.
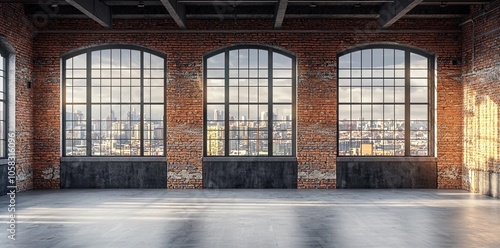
pixel 366 94
pixel 356 59
pixel 216 94
pixel 215 147
pixel 399 59
pixel 419 148
pixel 345 61
pixel 388 58
pixel 356 112
pixel 366 148
pixel 378 112
pixel 344 94
pixel 344 82
pixel 243 94
pixel 399 94
pixel 215 112
pixel 418 112
pixel 418 94
pixel 399 148
pixel 125 94
pixel 344 112
pixel 79 94
pixel 378 94
pixel 367 58
pixel 253 94
pixel 389 112
pixel 282 73
pixel 282 82
pixel 378 58
pixel 135 59
pixel 344 73
pixel 157 94
pixel 418 73
pixel 243 58
pixel 263 94
pixel 263 58
pixel 233 59
pixel 216 61
pixel 106 94
pixel 157 112
pixel 80 61
pixel 125 58
pixel 282 94
pixel 366 112
pixel 418 82
pixel 105 58
pixel 419 125
pixel 418 61
pixel 282 112
pixel 356 94
pixel 399 111
pixel 215 73
pixel 96 95
pixel 388 94
pixel 281 61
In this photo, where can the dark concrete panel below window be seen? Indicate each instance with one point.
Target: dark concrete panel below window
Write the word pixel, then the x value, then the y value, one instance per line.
pixel 386 174
pixel 112 174
pixel 250 174
pixel 3 179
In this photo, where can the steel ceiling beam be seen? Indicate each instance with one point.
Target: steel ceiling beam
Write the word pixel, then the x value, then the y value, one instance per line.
pixel 94 9
pixel 176 11
pixel 392 12
pixel 279 13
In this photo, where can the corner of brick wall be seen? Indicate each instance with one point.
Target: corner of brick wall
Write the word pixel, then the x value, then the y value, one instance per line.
pixel 19 31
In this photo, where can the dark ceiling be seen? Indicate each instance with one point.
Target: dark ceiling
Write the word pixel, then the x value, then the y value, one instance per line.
pixel 388 11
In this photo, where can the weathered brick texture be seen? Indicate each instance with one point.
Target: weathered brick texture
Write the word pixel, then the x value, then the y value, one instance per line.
pixel 316 57
pixel 316 53
pixel 481 80
pixel 18 30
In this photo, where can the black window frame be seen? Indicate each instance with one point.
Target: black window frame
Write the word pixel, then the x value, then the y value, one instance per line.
pixel 88 104
pixel 431 97
pixel 4 55
pixel 270 50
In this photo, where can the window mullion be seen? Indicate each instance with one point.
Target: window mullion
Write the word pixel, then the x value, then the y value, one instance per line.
pixel 89 104
pixel 141 132
pixel 227 140
pixel 407 104
pixel 270 105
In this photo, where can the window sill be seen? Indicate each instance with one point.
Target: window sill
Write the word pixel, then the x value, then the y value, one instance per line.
pixel 113 159
pixel 386 159
pixel 249 159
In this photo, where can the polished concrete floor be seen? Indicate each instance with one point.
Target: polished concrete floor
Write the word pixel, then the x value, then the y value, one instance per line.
pixel 253 218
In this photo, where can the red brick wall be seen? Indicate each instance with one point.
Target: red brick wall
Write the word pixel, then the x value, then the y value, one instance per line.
pixel 481 67
pixel 316 57
pixel 18 30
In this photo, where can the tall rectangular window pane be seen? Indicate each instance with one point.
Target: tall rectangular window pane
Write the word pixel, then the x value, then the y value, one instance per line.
pixel 243 108
pixel 372 110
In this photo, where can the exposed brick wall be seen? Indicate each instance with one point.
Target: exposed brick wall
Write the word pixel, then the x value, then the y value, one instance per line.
pixel 481 67
pixel 18 30
pixel 316 114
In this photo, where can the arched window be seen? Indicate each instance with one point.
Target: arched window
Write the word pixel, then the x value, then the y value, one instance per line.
pixel 3 102
pixel 249 94
pixel 385 102
pixel 114 102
